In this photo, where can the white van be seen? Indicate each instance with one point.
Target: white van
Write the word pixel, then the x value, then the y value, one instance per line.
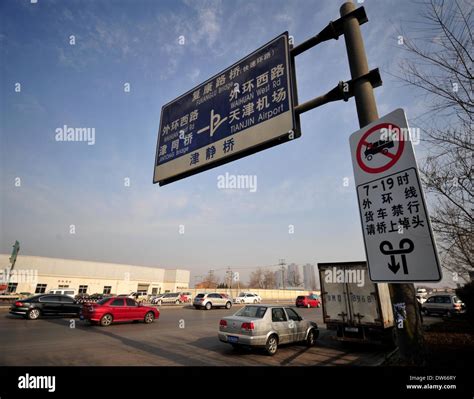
pixel 63 291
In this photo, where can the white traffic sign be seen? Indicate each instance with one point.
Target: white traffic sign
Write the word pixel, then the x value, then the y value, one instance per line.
pixel 398 238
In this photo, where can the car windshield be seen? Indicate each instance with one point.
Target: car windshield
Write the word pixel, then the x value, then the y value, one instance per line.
pixel 103 301
pixel 200 295
pixel 242 294
pixel 300 297
pixel 252 311
pixel 456 299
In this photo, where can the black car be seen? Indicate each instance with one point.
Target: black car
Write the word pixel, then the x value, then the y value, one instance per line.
pixel 377 147
pixel 46 304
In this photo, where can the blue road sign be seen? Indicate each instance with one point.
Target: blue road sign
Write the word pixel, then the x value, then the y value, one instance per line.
pixel 244 109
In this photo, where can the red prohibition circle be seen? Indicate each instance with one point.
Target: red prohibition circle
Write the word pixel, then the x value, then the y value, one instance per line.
pixel 394 157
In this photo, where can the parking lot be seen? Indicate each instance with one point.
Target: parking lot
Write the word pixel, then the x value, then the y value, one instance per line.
pixel 183 336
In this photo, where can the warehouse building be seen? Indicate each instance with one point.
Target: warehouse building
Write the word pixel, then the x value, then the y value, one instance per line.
pixel 37 274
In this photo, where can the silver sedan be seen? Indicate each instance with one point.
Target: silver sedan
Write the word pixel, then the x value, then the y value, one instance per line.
pixel 266 326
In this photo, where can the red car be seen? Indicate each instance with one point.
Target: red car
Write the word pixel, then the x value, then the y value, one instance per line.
pixel 308 301
pixel 116 309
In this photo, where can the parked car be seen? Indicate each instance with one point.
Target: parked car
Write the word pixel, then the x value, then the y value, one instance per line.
pixel 170 297
pixel 186 297
pixel 46 305
pixel 118 309
pixel 247 297
pixel 155 299
pixel 211 300
pixel 266 326
pixel 443 304
pixel 308 301
pixel 63 291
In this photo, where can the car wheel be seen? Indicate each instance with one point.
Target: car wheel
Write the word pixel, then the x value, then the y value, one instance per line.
pixel 308 305
pixel 312 337
pixel 208 306
pixel 228 305
pixel 149 317
pixel 255 301
pixel 106 320
pixel 271 346
pixel 33 314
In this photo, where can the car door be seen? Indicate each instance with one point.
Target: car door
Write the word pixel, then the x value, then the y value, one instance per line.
pixel 429 305
pixel 117 308
pixel 132 310
pixel 280 324
pixel 69 306
pixel 51 304
pixel 297 328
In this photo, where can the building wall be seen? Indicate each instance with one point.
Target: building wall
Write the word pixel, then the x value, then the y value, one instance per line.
pixel 122 278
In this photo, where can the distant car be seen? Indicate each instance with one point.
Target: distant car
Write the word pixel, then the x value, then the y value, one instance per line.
pixel 170 297
pixel 266 326
pixel 155 299
pixel 247 297
pixel 377 147
pixel 211 300
pixel 308 301
pixel 443 304
pixel 118 309
pixel 186 297
pixel 63 291
pixel 46 305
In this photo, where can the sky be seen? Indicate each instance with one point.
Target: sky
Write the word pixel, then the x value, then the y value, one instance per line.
pixel 52 188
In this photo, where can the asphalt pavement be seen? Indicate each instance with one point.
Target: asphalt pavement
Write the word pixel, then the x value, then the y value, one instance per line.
pixel 183 336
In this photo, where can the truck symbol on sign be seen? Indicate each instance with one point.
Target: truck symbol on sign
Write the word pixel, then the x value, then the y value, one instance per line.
pixel 377 147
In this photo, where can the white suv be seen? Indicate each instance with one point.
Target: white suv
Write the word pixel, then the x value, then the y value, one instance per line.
pixel 247 297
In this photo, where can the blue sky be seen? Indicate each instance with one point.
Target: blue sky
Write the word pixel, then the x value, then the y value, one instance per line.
pixel 136 42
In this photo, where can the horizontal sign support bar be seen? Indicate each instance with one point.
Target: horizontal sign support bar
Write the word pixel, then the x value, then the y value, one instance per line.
pixel 332 31
pixel 343 91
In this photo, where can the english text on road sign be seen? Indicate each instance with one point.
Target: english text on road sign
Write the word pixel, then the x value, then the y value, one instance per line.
pixel 244 109
pixel 398 238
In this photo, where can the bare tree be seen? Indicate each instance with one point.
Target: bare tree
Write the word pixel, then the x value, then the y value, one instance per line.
pixel 210 280
pixel 269 280
pixel 439 63
pixel 256 279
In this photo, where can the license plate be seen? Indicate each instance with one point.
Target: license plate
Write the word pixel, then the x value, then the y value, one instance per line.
pixel 232 339
pixel 352 329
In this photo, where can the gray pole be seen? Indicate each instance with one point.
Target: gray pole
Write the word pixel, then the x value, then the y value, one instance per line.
pixel 410 334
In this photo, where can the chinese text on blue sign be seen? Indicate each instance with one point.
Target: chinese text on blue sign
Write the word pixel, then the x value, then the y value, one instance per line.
pixel 241 109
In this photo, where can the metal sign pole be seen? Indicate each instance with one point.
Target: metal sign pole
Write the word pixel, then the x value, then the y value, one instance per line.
pixel 409 330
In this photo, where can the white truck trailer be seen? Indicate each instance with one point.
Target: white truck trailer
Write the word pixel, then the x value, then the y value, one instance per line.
pixel 354 306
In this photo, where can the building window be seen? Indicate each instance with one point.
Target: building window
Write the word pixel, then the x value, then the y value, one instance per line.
pixel 12 287
pixel 40 288
pixel 107 289
pixel 83 289
pixel 154 291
